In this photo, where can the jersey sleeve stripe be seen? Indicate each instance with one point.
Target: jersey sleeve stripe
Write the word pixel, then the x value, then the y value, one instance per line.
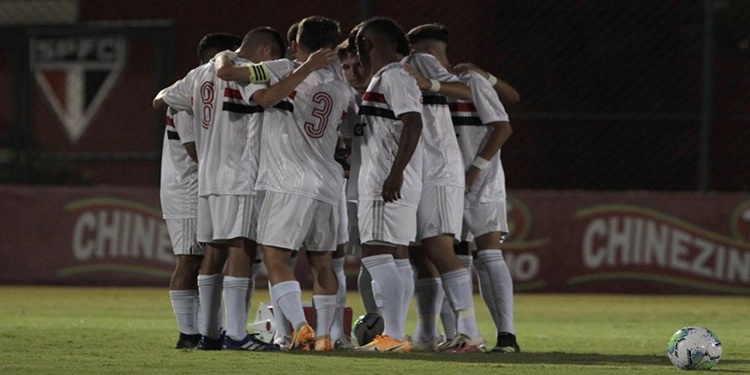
pixel 434 99
pixel 173 135
pixel 466 120
pixel 367 110
pixel 241 108
pixel 374 97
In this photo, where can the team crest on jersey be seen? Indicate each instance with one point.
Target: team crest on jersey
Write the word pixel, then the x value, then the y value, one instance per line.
pixel 76 74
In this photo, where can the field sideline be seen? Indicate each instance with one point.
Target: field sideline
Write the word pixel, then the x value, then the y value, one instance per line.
pixel 61 330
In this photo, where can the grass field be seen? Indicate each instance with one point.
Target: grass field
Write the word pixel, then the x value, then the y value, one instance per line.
pixel 56 330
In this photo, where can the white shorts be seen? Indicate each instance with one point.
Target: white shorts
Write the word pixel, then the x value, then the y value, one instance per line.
pixel 342 232
pixel 355 247
pixel 182 234
pixel 386 223
pixel 440 211
pixel 225 217
pixel 484 218
pixel 290 221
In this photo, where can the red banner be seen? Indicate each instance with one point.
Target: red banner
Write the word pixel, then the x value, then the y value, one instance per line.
pixel 630 242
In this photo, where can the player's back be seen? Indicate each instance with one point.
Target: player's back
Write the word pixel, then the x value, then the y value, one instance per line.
pixel 442 158
pixel 230 130
pixel 300 135
pixel 178 190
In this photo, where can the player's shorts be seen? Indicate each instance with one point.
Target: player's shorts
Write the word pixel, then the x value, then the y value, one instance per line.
pixel 342 232
pixel 225 217
pixel 355 247
pixel 182 234
pixel 386 223
pixel 484 218
pixel 440 211
pixel 290 221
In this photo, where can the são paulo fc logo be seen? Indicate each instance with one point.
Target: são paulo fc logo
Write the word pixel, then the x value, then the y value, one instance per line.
pixel 76 73
pixel 740 222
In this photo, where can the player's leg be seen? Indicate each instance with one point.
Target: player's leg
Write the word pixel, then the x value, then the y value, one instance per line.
pixel 183 287
pixel 339 338
pixel 406 273
pixel 428 292
pixel 364 280
pixel 210 279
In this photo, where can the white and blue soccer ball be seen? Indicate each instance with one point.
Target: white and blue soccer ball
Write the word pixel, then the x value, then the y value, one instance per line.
pixel 694 348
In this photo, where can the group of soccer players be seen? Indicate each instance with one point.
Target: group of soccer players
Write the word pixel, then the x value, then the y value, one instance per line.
pixel 250 174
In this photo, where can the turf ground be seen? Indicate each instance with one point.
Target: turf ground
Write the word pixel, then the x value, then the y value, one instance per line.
pixel 55 330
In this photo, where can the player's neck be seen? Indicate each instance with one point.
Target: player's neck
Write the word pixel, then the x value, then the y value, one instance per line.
pixel 380 60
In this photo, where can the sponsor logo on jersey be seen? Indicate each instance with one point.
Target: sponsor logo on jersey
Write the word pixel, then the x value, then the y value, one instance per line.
pixel 76 73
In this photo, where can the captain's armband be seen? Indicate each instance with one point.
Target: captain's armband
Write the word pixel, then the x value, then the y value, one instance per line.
pixel 259 73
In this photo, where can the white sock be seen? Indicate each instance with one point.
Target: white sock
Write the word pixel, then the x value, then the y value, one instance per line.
pixel 406 273
pixel 209 294
pixel 251 285
pixel 447 316
pixel 502 288
pixel 388 291
pixel 337 328
pixel 325 310
pixel 283 327
pixel 426 293
pixel 235 301
pixel 185 307
pixel 466 260
pixel 457 286
pixel 288 299
pixel 364 285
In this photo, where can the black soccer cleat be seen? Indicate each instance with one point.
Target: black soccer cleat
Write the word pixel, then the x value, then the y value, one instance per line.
pixel 207 343
pixel 188 341
pixel 251 343
pixel 506 343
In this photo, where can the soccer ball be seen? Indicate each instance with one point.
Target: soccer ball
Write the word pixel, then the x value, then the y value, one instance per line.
pixel 694 348
pixel 366 327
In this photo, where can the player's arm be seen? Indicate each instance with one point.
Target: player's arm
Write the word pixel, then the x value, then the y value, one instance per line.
pixel 191 151
pixel 226 70
pixel 452 89
pixel 270 96
pixel 506 92
pixel 410 134
pixel 501 131
pixel 158 102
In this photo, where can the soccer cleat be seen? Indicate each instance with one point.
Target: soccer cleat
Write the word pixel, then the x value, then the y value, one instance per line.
pixel 188 341
pixel 207 343
pixel 323 344
pixel 343 344
pixel 506 343
pixel 250 342
pixel 303 337
pixel 465 344
pixel 383 343
pixel 430 345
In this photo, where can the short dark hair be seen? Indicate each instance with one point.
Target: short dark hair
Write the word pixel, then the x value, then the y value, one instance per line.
pixel 346 49
pixel 316 32
pixel 390 32
pixel 291 33
pixel 430 31
pixel 218 41
pixel 265 35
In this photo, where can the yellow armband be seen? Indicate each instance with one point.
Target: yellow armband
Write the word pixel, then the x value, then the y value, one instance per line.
pixel 259 73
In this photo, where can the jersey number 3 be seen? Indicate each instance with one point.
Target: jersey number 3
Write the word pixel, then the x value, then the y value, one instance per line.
pixel 321 114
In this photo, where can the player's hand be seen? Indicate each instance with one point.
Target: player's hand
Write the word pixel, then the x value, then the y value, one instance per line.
pixel 464 67
pixel 472 175
pixel 228 55
pixel 422 81
pixel 392 187
pixel 321 58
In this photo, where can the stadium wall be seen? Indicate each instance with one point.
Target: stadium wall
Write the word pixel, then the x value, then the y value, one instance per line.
pixel 561 241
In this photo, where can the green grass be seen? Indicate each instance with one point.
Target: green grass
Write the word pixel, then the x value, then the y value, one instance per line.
pixel 132 331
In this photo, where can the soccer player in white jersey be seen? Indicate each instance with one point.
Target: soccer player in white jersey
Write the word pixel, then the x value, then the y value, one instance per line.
pixel 304 106
pixel 482 127
pixel 440 216
pixel 228 163
pixel 390 179
pixel 179 202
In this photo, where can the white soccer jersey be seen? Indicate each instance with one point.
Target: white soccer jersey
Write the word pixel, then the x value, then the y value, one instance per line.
pixel 179 173
pixel 229 126
pixel 469 120
pixel 442 157
pixel 392 92
pixel 300 134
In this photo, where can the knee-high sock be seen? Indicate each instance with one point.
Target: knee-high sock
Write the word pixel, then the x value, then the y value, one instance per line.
pixel 337 328
pixel 427 292
pixel 388 291
pixel 185 307
pixel 325 311
pixel 287 298
pixel 406 273
pixel 500 285
pixel 364 285
pixel 209 294
pixel 458 289
pixel 235 301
